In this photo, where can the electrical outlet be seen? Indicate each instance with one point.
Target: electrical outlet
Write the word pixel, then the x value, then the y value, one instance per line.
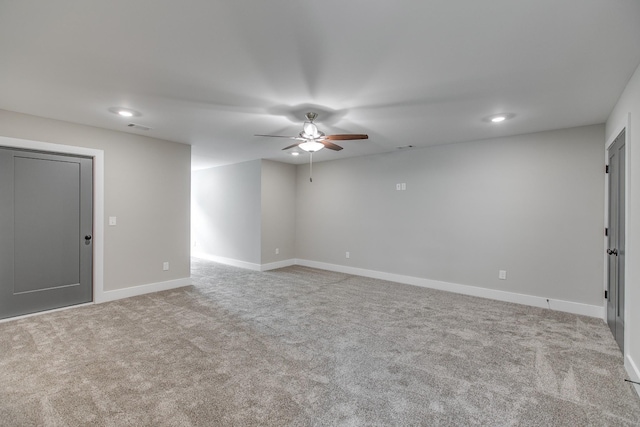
pixel 347 255
pixel 502 274
pixel 165 266
pixel 277 251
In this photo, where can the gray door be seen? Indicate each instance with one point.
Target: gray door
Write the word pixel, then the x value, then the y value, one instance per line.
pixel 616 239
pixel 46 231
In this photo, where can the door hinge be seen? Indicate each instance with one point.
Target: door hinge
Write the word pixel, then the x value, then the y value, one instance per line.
pixel 606 231
pixel 606 169
pixel 606 295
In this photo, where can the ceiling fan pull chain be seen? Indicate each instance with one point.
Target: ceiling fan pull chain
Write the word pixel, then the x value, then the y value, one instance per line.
pixel 310 167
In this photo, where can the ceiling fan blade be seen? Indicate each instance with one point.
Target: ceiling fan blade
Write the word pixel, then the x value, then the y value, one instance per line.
pixel 346 137
pixel 291 146
pixel 281 136
pixel 331 145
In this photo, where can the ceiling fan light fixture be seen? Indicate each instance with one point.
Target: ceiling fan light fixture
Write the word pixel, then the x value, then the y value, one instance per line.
pixel 311 146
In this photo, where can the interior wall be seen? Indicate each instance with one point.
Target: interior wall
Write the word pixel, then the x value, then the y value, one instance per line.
pixel 629 106
pixel 278 211
pixel 146 184
pixel 227 211
pixel 531 205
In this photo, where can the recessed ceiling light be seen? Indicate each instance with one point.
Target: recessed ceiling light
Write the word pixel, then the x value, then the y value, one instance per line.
pixel 124 112
pixel 295 153
pixel 499 118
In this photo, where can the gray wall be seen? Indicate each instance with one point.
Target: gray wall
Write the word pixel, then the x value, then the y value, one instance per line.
pixel 147 184
pixel 629 102
pixel 226 211
pixel 530 204
pixel 278 211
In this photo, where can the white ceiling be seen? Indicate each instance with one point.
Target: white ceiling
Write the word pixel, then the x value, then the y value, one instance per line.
pixel 213 73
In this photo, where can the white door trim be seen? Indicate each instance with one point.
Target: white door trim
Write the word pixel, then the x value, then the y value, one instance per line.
pixel 98 198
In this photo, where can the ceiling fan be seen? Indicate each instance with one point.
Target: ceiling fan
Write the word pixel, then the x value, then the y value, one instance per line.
pixel 312 140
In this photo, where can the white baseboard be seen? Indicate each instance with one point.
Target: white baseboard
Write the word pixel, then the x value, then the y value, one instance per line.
pixel 141 290
pixel 553 304
pixel 633 371
pixel 227 261
pixel 244 264
pixel 531 300
pixel 277 264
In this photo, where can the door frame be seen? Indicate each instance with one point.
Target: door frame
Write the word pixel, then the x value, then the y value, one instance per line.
pixel 622 125
pixel 98 203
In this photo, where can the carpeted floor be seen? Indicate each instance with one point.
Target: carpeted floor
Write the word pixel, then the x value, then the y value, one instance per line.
pixel 304 347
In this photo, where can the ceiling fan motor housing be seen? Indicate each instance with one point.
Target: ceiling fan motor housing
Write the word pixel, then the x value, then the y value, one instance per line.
pixel 310 131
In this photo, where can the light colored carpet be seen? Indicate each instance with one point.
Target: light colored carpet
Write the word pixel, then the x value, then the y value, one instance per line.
pixel 304 347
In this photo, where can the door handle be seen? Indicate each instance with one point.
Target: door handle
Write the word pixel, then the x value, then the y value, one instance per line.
pixel 612 252
pixel 87 238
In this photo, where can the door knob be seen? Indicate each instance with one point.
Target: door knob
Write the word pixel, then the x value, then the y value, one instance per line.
pixel 87 237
